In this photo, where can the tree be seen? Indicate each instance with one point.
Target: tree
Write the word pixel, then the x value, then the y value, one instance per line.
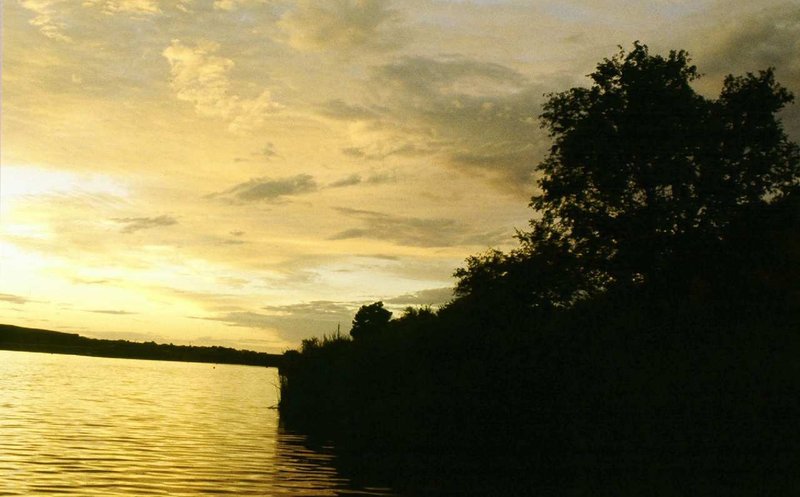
pixel 642 169
pixel 417 314
pixel 370 320
pixel 641 163
pixel 504 288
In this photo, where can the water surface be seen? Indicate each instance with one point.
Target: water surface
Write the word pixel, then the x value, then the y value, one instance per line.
pixel 73 425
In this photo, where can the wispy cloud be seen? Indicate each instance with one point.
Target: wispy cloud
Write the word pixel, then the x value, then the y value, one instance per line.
pixel 13 299
pixel 380 178
pixel 771 37
pixel 47 20
pixel 269 152
pixel 201 78
pixel 342 25
pixel 402 230
pixel 421 117
pixel 294 321
pixel 338 109
pixel 351 180
pixel 432 296
pixel 357 179
pixel 90 281
pixel 384 151
pixel 268 189
pixel 53 17
pixel 110 311
pixel 478 117
pixel 134 224
pixel 324 309
pixel 136 7
pixel 748 37
pixel 233 4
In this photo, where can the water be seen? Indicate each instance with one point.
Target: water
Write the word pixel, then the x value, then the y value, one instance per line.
pixel 72 425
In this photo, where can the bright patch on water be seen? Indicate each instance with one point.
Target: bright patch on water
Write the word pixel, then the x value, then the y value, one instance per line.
pixel 72 425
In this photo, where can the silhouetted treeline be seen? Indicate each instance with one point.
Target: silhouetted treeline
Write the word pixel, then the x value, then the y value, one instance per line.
pixel 36 340
pixel 690 384
pixel 643 339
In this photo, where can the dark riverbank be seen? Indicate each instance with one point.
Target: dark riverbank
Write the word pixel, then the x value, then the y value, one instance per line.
pixel 686 385
pixel 54 342
pixel 689 384
pixel 644 337
pixel 605 396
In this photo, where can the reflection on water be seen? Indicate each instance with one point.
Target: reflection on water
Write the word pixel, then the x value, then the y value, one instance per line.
pixel 74 425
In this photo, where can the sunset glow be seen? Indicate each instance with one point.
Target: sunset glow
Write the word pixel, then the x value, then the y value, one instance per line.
pixel 248 173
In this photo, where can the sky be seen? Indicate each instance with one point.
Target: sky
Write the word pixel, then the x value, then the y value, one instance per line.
pixel 247 173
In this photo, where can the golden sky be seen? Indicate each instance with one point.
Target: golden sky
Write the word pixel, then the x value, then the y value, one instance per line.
pixel 248 173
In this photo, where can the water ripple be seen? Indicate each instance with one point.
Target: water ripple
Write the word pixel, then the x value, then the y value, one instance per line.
pixel 85 426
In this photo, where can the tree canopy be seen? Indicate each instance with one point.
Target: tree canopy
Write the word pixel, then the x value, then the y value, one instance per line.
pixel 641 170
pixel 370 320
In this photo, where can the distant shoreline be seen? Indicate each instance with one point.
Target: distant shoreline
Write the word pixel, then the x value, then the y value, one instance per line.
pixel 21 339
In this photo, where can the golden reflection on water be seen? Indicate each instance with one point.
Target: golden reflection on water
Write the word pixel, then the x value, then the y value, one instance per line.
pixel 74 425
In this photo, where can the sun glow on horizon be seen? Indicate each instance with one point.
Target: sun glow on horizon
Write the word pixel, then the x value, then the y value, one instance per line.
pixel 20 180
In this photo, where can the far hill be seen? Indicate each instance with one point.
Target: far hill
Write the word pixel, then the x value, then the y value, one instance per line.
pixel 55 342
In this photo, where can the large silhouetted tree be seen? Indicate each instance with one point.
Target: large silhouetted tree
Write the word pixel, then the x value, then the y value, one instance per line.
pixel 640 162
pixel 370 320
pixel 641 170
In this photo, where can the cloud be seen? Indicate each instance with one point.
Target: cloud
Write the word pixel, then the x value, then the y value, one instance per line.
pixel 51 14
pixel 771 37
pixel 380 178
pixel 410 231
pixel 13 299
pixel 322 309
pixel 201 78
pixel 230 4
pixel 484 115
pixel 110 311
pixel 748 43
pixel 354 152
pixel 233 242
pixel 338 109
pixel 136 7
pixel 272 189
pixel 451 76
pixel 294 322
pixel 357 179
pixel 480 118
pixel 268 152
pixel 433 296
pixel 46 17
pixel 134 224
pixel 379 152
pixel 90 281
pixel 219 302
pixel 342 25
pixel 351 180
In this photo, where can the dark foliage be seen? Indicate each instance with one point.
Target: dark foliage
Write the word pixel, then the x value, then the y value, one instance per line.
pixel 686 384
pixel 642 170
pixel 643 338
pixel 640 162
pixel 370 320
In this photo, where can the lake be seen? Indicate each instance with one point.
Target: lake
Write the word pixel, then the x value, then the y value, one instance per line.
pixel 74 425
